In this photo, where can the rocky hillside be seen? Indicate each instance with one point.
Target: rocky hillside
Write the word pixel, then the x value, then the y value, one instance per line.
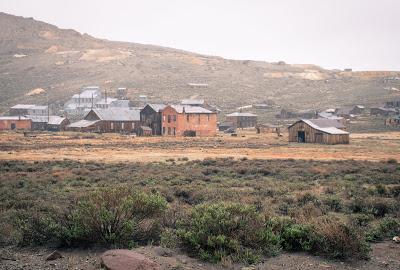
pixel 40 62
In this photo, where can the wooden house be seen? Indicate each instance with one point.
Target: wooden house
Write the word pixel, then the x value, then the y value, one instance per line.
pixel 151 116
pixel 242 120
pixel 323 131
pixel 15 123
pixel 115 120
pixel 395 103
pixel 179 120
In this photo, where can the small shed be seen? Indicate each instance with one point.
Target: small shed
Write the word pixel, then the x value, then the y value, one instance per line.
pixel 15 123
pixel 57 123
pixel 144 131
pixel 242 120
pixel 85 126
pixel 323 131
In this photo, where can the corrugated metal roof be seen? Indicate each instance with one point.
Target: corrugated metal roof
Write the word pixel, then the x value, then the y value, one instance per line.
pixel 14 118
pixel 82 124
pixel 329 116
pixel 327 129
pixel 241 114
pixel 324 123
pixel 190 109
pixel 23 106
pixel 120 103
pixel 118 114
pixel 56 120
pixel 88 92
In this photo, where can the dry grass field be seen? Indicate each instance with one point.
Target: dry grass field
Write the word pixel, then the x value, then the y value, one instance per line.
pixel 339 203
pixel 119 148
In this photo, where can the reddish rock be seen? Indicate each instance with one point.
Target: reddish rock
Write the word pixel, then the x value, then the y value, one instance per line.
pixel 124 259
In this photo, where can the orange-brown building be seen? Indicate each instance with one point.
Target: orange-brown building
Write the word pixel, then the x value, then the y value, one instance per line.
pixel 15 123
pixel 179 120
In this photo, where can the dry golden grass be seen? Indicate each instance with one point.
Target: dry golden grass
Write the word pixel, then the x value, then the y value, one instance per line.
pixel 117 148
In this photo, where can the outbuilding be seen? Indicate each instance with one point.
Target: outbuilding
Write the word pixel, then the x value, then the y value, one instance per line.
pixel 323 131
pixel 15 123
pixel 242 119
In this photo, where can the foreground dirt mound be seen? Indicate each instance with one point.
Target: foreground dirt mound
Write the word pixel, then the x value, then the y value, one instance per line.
pixel 122 259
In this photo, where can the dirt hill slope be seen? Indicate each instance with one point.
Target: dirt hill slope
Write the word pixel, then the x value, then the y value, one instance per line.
pixel 36 55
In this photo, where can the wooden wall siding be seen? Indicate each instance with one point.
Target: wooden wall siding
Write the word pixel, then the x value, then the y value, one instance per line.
pixel 315 136
pixel 242 121
pixel 152 119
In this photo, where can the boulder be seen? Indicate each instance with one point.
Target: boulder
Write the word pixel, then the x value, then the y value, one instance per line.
pixel 124 259
pixel 54 256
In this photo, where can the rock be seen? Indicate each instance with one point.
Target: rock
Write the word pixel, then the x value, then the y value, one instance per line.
pixel 123 259
pixel 165 252
pixel 396 239
pixel 54 256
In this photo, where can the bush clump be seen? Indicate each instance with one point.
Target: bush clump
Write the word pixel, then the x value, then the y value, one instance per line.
pixel 227 231
pixel 387 227
pixel 117 216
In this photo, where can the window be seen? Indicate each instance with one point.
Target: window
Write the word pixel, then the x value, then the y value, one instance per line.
pixel 163 118
pixel 187 117
pixel 169 118
pixel 163 130
pixel 112 125
pixel 174 131
pixel 174 118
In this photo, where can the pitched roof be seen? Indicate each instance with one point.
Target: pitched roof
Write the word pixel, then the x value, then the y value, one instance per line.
pixel 329 116
pixel 190 109
pixel 118 114
pixel 241 114
pixel 89 92
pixel 56 120
pixel 157 106
pixel 325 125
pixel 82 124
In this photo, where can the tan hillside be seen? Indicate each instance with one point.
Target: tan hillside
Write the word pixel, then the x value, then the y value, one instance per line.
pixel 36 55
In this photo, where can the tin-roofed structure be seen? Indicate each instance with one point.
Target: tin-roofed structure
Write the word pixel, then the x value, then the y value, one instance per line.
pixel 323 131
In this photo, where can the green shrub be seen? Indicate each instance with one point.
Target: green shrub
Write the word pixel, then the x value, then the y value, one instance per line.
pixel 387 227
pixel 169 238
pixel 114 217
pixel 334 203
pixel 297 237
pixel 218 231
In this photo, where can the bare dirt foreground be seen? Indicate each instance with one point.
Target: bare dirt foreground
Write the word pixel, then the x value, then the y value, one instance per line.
pixel 383 256
pixel 119 148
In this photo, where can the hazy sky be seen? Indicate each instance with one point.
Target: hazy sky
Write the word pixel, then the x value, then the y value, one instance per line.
pixel 362 34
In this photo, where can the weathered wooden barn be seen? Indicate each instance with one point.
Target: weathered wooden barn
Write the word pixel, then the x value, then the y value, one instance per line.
pixel 115 120
pixel 151 116
pixel 323 131
pixel 15 123
pixel 242 120
pixel 57 123
pixel 178 120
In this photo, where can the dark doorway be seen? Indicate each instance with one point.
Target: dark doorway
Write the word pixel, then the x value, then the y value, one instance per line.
pixel 13 126
pixel 301 136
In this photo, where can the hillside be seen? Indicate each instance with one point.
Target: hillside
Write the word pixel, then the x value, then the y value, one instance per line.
pixel 36 55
